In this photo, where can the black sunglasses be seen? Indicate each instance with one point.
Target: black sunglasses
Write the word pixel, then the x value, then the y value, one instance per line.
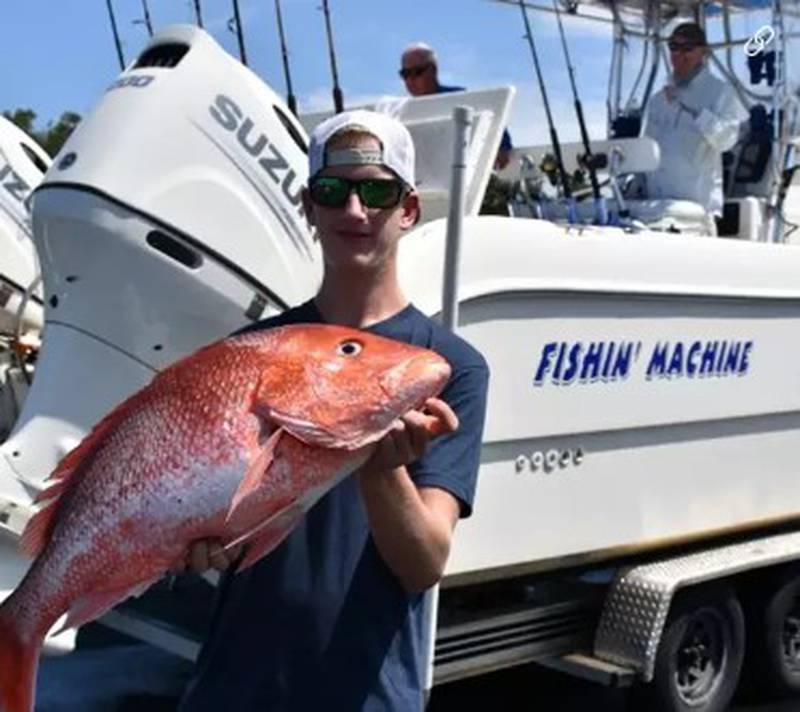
pixel 681 46
pixel 333 191
pixel 414 72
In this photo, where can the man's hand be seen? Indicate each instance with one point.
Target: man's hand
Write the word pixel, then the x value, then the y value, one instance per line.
pixel 405 442
pixel 207 554
pixel 408 439
pixel 694 113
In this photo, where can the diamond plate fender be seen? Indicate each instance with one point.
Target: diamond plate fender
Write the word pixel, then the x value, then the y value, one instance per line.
pixel 639 599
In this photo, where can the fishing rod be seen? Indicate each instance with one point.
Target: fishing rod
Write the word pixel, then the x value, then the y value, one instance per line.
pixel 338 99
pixel 197 13
pixel 116 35
pixel 148 24
pixel 588 160
pixel 553 134
pixel 290 99
pixel 239 35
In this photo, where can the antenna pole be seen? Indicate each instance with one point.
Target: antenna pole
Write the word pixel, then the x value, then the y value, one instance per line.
pixel 553 133
pixel 116 35
pixel 147 21
pixel 601 218
pixel 239 35
pixel 338 99
pixel 290 98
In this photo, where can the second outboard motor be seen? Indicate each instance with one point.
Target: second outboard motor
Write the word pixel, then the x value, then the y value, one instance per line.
pixel 22 166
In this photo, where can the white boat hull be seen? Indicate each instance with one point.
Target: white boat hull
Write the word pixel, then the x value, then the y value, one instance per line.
pixel 643 389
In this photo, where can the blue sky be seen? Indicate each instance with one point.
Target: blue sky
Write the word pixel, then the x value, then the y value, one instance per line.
pixel 57 56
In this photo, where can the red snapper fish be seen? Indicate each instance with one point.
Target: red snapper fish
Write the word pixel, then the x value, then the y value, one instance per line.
pixel 235 442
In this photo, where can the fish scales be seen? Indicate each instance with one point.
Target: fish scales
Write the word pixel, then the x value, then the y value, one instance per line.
pixel 235 442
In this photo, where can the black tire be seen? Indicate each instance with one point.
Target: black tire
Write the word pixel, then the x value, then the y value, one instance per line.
pixel 700 655
pixel 774 633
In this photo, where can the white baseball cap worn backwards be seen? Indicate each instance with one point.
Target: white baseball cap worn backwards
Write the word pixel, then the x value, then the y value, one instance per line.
pixel 396 152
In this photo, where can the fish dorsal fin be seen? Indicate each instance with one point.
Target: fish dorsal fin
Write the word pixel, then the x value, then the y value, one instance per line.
pixel 64 478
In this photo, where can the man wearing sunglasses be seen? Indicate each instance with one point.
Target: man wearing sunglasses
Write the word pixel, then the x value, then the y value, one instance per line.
pixel 694 118
pixel 333 618
pixel 419 70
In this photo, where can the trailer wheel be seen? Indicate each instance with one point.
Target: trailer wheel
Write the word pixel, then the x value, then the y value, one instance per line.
pixel 775 648
pixel 700 655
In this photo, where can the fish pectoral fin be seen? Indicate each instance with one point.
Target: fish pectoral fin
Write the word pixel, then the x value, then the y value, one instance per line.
pixel 252 482
pixel 265 537
pixel 95 604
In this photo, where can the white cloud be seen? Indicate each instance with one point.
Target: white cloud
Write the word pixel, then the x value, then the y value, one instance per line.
pixel 321 99
pixel 574 25
pixel 528 125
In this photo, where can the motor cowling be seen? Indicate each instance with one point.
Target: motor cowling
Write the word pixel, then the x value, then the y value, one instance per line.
pixel 171 217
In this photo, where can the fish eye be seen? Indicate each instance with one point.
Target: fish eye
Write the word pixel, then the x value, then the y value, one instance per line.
pixel 349 348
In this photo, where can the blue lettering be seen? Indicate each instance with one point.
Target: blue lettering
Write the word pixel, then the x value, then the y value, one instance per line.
pixel 612 345
pixel 733 357
pixel 565 362
pixel 591 361
pixel 574 362
pixel 691 362
pixel 744 363
pixel 709 356
pixel 676 362
pixel 544 363
pixel 559 362
pixel 622 366
pixel 658 360
pixel 721 361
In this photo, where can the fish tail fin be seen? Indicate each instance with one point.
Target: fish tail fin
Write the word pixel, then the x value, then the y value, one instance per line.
pixel 18 664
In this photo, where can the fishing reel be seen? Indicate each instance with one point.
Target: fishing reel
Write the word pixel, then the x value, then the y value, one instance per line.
pixel 577 179
pixel 549 166
pixel 594 161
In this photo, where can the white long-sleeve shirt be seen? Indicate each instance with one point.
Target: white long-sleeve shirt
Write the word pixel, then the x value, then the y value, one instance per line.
pixel 692 132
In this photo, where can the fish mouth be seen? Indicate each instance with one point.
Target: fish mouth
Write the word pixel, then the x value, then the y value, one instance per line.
pixel 411 382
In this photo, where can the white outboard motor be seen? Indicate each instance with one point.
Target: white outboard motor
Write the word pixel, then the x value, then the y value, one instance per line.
pixel 171 217
pixel 22 166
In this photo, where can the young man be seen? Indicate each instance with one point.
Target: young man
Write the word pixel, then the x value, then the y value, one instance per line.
pixel 694 118
pixel 332 619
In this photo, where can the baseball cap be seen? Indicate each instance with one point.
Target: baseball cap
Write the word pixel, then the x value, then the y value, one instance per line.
pixel 691 32
pixel 396 152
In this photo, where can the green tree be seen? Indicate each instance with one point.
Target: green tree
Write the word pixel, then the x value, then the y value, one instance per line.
pixel 57 133
pixel 53 136
pixel 24 118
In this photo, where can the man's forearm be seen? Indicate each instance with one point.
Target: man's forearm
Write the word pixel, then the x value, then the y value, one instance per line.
pixel 719 131
pixel 412 530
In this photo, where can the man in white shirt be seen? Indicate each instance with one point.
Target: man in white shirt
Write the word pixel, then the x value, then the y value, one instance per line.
pixel 694 118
